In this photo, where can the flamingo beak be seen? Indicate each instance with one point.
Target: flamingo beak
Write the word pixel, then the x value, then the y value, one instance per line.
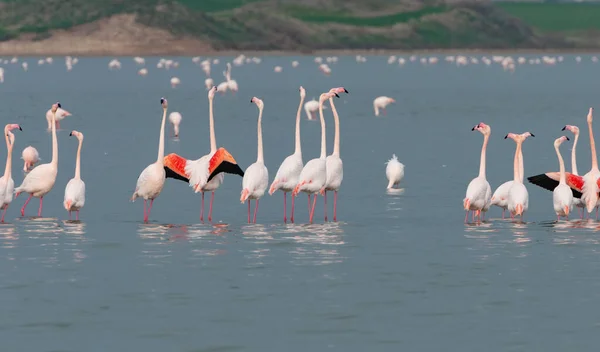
pixel 71 134
pixel 346 91
pixel 532 135
pixel 475 127
pixel 564 128
pixel 20 129
pixel 567 138
pixel 505 136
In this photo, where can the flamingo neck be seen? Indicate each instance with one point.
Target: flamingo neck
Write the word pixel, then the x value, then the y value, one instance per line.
pixel 78 161
pixel 517 165
pixel 593 147
pixel 561 164
pixel 54 141
pixel 298 149
pixel 8 168
pixel 336 138
pixel 213 139
pixel 573 157
pixel 521 166
pixel 260 158
pixel 323 136
pixel 161 139
pixel 486 138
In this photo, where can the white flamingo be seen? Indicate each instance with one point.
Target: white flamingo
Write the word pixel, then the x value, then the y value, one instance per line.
pixel 314 173
pixel 41 180
pixel 209 83
pixel 152 179
pixel 562 196
pixel 335 167
pixel 60 115
pixel 311 107
pixel 500 195
pixel 75 190
pixel 394 171
pixel 231 83
pixel 577 202
pixel 175 81
pixel 289 171
pixel 175 120
pixel 7 184
pixel 30 157
pixel 479 192
pixel 518 197
pixel 256 177
pixel 381 103
pixel 590 180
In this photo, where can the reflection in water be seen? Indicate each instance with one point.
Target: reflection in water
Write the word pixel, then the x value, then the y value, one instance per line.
pixel 318 244
pixel 519 230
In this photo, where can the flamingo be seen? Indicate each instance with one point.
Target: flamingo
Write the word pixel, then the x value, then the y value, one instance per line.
pixel 41 180
pixel 575 130
pixel 209 83
pixel 394 171
pixel 381 103
pixel 75 189
pixel 335 167
pixel 175 81
pixel 175 119
pixel 289 171
pixel 7 184
pixel 500 195
pixel 152 179
pixel 311 107
pixel 256 177
pixel 231 84
pixel 204 174
pixel 314 174
pixel 562 196
pixel 60 115
pixel 30 157
pixel 479 192
pixel 518 197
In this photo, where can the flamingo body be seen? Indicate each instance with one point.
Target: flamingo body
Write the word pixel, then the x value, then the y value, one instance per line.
pixel 74 195
pixel 394 171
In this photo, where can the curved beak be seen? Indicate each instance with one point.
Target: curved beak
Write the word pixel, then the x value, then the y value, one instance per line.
pixel 505 136
pixel 564 128
pixel 337 95
pixel 71 134
pixel 567 138
pixel 20 129
pixel 532 135
pixel 346 91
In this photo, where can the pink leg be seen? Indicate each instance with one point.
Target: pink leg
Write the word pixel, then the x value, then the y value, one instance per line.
pixel 248 210
pixel 325 207
pixel 77 215
pixel 466 216
pixel 255 211
pixel 212 198
pixel 25 205
pixel 309 203
pixel 57 125
pixel 292 215
pixel 202 209
pixel 145 211
pixel 70 215
pixel 581 213
pixel 503 210
pixel 334 205
pixel 285 206
pixel 3 213
pixel 312 212
pixel 41 206
pixel 596 213
pixel 384 112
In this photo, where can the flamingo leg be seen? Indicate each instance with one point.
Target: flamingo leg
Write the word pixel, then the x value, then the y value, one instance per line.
pixel 292 215
pixel 466 216
pixel 325 202
pixel 202 209
pixel 285 206
pixel 503 210
pixel 41 206
pixel 149 209
pixel 312 212
pixel 334 205
pixel 77 215
pixel 70 215
pixel 596 213
pixel 309 204
pixel 3 213
pixel 212 198
pixel 25 205
pixel 255 211
pixel 57 125
pixel 145 211
pixel 248 210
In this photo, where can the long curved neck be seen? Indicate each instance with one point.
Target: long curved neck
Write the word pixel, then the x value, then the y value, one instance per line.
pixel 298 149
pixel 323 136
pixel 78 161
pixel 8 168
pixel 54 141
pixel 336 138
pixel 561 164
pixel 573 157
pixel 517 166
pixel 593 147
pixel 260 157
pixel 161 139
pixel 521 166
pixel 213 139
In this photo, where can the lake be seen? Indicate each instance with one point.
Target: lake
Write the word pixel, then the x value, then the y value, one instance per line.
pixel 399 271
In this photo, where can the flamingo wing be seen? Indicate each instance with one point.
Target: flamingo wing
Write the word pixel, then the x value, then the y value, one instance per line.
pixel 550 180
pixel 175 167
pixel 222 161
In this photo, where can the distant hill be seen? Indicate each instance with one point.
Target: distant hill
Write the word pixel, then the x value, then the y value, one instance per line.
pixel 129 27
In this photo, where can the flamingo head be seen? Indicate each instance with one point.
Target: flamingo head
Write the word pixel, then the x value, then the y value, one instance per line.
pixel 55 107
pixel 391 100
pixel 513 136
pixel 486 130
pixel 257 101
pixel 211 92
pixel 12 126
pixel 527 134
pixel 77 134
pixel 590 115
pixel 164 103
pixel 560 141
pixel 338 90
pixel 302 92
pixel 572 128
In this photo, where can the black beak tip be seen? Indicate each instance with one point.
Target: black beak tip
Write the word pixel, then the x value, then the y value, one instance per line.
pixel 505 136
pixel 70 134
pixel 564 128
pixel 346 91
pixel 568 139
pixel 473 129
pixel 532 135
pixel 250 100
pixel 60 106
pixel 337 95
pixel 20 129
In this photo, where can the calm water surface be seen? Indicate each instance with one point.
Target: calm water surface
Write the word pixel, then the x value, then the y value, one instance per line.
pixel 398 271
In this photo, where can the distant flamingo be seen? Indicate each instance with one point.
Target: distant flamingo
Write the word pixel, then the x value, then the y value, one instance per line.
pixel 577 202
pixel 311 107
pixel 394 171
pixel 562 196
pixel 518 197
pixel 75 190
pixel 381 103
pixel 7 184
pixel 256 177
pixel 41 180
pixel 289 171
pixel 231 83
pixel 152 179
pixel 204 174
pixel 175 81
pixel 479 192
pixel 335 167
pixel 209 83
pixel 175 120
pixel 314 173
pixel 60 115
pixel 30 157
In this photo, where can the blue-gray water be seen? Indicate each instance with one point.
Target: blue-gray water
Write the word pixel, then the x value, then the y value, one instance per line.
pixel 397 272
